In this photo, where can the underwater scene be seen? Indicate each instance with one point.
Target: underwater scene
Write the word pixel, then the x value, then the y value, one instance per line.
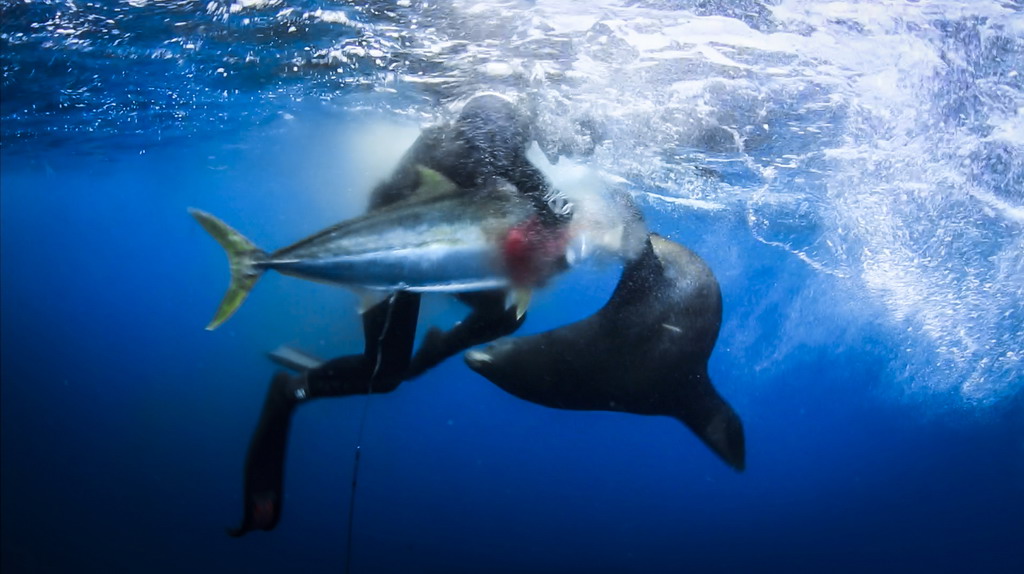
pixel 764 314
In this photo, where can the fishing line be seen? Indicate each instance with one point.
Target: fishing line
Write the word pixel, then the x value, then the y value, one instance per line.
pixel 359 433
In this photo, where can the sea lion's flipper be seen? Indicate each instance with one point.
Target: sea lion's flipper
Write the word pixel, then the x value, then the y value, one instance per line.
pixel 644 352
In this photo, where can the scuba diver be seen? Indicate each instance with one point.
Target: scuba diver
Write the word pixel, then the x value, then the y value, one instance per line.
pixel 488 141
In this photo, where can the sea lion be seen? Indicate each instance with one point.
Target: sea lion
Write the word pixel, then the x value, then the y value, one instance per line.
pixel 645 352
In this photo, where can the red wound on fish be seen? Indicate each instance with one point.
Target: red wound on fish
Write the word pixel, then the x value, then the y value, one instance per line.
pixel 533 251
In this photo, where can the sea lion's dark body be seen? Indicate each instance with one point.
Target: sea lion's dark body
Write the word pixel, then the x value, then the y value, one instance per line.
pixel 645 352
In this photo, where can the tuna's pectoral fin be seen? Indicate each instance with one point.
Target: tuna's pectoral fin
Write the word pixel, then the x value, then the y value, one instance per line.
pixel 520 299
pixel 242 259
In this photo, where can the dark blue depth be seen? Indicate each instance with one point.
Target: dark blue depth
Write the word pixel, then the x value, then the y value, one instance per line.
pixel 125 424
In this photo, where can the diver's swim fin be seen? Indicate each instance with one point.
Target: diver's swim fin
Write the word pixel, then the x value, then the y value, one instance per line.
pixel 264 463
pixel 645 352
pixel 294 359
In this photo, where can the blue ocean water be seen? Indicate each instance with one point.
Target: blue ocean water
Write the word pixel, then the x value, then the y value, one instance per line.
pixel 852 171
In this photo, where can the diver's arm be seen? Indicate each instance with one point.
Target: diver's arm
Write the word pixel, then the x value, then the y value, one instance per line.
pixel 489 319
pixel 550 204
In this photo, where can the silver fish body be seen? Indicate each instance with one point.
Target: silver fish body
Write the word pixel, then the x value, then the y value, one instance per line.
pixel 448 243
pixel 441 239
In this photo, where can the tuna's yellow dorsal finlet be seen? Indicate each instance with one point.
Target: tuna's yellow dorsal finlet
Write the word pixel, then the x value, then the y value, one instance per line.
pixel 433 182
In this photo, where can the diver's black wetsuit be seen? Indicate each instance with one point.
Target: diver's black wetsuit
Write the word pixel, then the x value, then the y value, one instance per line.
pixel 488 141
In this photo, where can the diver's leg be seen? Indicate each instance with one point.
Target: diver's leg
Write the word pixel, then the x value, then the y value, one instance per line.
pixel 390 331
pixel 490 318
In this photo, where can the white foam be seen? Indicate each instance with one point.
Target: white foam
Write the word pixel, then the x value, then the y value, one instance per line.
pixel 604 224
pixel 835 118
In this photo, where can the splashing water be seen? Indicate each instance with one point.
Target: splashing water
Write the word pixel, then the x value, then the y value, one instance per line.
pixel 880 142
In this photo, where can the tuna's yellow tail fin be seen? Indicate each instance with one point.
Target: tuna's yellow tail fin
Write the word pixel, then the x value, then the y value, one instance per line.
pixel 242 258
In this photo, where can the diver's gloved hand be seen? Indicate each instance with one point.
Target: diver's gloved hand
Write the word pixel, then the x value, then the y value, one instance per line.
pixel 557 209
